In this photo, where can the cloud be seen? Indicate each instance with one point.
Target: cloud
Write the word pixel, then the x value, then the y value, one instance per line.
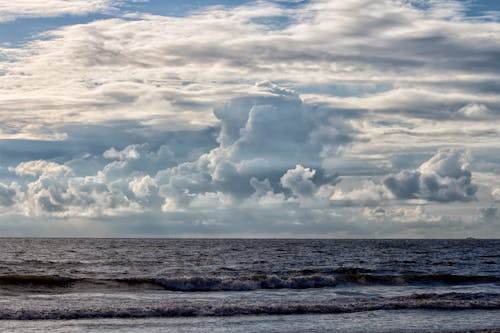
pixel 171 71
pixel 187 123
pixel 234 177
pixel 143 187
pixel 267 152
pixel 279 128
pixel 476 111
pixel 488 213
pixel 72 196
pixel 369 194
pixel 54 189
pixel 263 140
pixel 409 214
pixel 443 178
pixel 8 194
pixel 10 10
pixel 137 160
pixel 495 193
pixel 41 167
pixel 299 181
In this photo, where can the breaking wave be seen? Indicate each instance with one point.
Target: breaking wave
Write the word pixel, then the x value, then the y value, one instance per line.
pixel 450 301
pixel 297 280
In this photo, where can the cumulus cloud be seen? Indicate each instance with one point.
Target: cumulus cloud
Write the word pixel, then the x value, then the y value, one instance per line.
pixel 41 167
pixel 360 82
pixel 299 181
pixel 132 160
pixel 268 137
pixel 279 128
pixel 89 196
pixel 54 189
pixel 143 187
pixel 442 178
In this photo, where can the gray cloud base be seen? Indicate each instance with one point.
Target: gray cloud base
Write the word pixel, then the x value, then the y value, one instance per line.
pixel 443 178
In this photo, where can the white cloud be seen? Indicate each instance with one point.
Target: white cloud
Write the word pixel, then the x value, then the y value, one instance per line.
pixel 128 153
pixel 476 111
pixel 56 191
pixel 369 194
pixel 143 187
pixel 41 167
pixel 10 10
pixel 261 137
pixel 267 137
pixel 171 71
pixel 382 86
pixel 495 193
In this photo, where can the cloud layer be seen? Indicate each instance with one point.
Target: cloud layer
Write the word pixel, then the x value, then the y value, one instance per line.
pixel 168 71
pixel 264 141
pixel 10 10
pixel 325 117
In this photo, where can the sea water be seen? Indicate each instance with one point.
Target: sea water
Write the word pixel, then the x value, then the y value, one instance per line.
pixel 236 285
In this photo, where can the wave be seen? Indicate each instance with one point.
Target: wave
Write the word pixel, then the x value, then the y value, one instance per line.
pixel 239 282
pixel 41 280
pixel 445 302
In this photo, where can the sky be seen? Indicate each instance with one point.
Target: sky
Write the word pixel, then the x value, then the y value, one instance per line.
pixel 231 118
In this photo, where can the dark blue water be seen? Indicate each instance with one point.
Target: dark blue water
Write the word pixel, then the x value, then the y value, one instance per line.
pixel 59 280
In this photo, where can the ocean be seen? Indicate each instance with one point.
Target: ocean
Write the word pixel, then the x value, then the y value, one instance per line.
pixel 248 285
